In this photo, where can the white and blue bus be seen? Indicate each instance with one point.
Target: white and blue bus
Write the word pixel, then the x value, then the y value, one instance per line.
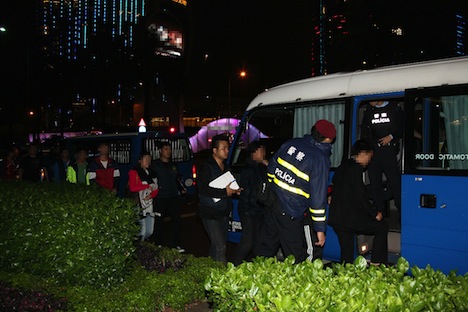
pixel 433 156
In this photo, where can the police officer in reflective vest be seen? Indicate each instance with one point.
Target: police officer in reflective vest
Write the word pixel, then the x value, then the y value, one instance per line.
pixel 382 125
pixel 298 175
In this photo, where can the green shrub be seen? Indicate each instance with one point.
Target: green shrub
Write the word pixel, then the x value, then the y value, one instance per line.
pixel 269 285
pixel 148 291
pixel 73 234
pixel 140 291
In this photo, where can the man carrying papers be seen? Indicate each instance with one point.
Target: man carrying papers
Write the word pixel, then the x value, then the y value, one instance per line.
pixel 215 200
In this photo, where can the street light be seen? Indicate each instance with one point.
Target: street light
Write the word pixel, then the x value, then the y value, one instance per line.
pixel 242 74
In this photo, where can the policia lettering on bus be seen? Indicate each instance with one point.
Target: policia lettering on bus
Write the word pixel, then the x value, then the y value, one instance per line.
pixel 441 157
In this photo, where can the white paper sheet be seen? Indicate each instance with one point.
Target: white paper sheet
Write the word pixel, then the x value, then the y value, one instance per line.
pixel 222 181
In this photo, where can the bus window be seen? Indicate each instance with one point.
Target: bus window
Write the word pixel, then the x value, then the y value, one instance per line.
pixel 180 148
pixel 306 116
pixel 273 125
pixel 119 150
pixel 440 133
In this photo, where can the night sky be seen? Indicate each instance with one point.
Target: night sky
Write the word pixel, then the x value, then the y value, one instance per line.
pixel 16 44
pixel 270 40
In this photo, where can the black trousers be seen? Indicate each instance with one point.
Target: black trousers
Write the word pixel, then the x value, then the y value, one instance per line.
pixel 384 161
pixel 282 230
pixel 252 235
pixel 164 207
pixel 346 235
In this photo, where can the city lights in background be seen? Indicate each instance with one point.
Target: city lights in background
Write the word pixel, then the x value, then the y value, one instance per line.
pixel 461 31
pixel 72 23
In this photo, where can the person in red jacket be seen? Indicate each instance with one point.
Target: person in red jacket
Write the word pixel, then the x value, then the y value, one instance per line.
pixel 143 183
pixel 104 170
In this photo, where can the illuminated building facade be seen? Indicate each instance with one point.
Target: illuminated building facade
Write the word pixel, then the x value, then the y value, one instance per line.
pixel 461 33
pixel 68 25
pixel 109 62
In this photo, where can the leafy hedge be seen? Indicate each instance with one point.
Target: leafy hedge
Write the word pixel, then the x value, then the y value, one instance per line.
pixel 269 285
pixel 148 291
pixel 74 248
pixel 73 234
pixel 140 291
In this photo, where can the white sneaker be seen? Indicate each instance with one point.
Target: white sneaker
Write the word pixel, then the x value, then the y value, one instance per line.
pixel 180 249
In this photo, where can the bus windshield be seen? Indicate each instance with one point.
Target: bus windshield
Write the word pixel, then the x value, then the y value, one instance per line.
pixel 273 125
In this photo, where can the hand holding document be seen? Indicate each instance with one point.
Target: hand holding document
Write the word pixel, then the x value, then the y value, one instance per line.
pixel 224 180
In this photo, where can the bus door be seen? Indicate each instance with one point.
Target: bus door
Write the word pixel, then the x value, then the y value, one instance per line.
pixel 391 213
pixel 435 181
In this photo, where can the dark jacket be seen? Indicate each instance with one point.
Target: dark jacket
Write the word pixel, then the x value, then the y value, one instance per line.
pixel 350 202
pixel 299 171
pixel 380 122
pixel 208 209
pixel 169 185
pixel 251 179
pixel 59 170
pixel 31 167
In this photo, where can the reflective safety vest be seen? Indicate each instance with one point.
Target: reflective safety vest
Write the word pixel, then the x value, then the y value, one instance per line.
pixel 72 176
pixel 299 171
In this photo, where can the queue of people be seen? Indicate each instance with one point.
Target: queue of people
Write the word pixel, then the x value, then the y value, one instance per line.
pixel 282 201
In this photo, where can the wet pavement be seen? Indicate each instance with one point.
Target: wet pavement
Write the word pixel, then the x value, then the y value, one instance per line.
pixel 194 238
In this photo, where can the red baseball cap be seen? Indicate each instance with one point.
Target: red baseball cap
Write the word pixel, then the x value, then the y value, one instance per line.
pixel 326 128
